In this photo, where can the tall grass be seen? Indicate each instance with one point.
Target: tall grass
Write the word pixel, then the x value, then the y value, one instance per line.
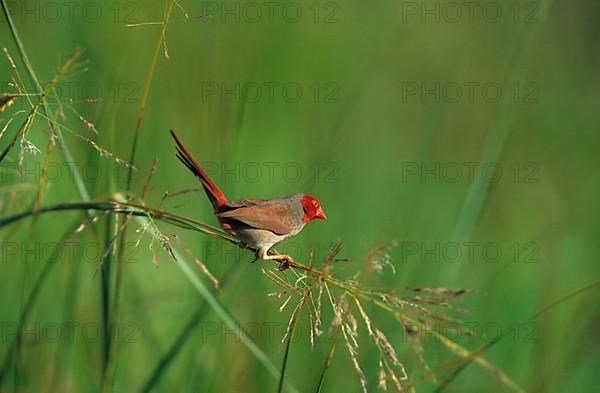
pixel 412 312
pixel 371 319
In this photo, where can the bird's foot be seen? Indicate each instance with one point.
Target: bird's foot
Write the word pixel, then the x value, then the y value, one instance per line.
pixel 284 262
pixel 283 265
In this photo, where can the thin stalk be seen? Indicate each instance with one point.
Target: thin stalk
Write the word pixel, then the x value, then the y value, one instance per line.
pixel 323 275
pixel 34 107
pixel 486 347
pixel 24 127
pixel 149 77
pixel 68 157
pixel 105 295
pixel 138 126
pixel 127 209
pixel 328 358
pixel 107 307
pixel 286 354
pixel 292 331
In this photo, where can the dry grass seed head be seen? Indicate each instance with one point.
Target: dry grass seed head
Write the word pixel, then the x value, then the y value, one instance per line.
pixel 352 347
pixel 9 58
pixel 379 258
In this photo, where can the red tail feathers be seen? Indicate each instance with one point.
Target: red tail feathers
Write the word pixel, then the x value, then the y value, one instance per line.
pixel 216 196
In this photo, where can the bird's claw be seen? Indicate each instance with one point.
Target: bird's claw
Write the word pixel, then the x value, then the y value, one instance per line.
pixel 284 262
pixel 283 265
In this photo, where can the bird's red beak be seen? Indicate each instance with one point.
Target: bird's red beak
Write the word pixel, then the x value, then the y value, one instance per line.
pixel 321 214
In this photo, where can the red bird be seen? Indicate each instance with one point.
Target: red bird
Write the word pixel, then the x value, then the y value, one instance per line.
pixel 257 223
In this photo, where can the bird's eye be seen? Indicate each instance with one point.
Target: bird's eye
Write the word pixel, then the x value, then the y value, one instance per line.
pixel 315 203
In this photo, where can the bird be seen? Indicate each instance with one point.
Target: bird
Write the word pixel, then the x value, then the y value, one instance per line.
pixel 258 224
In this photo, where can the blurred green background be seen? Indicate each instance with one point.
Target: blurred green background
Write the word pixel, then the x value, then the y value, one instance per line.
pixel 378 109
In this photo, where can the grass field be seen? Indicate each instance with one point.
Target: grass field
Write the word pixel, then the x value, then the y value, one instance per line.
pixel 453 146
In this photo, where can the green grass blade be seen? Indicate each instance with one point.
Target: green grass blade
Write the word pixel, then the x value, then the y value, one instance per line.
pixel 327 363
pixel 288 343
pixel 105 294
pixel 168 357
pixel 30 302
pixel 486 347
pixel 499 131
pixel 174 349
pixel 285 359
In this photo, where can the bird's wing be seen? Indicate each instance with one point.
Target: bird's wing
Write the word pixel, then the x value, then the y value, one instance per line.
pixel 276 217
pixel 243 203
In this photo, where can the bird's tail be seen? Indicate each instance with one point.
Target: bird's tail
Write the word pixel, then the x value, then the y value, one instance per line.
pixel 216 196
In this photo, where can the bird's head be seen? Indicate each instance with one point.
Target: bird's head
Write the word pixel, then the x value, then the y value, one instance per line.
pixel 312 208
